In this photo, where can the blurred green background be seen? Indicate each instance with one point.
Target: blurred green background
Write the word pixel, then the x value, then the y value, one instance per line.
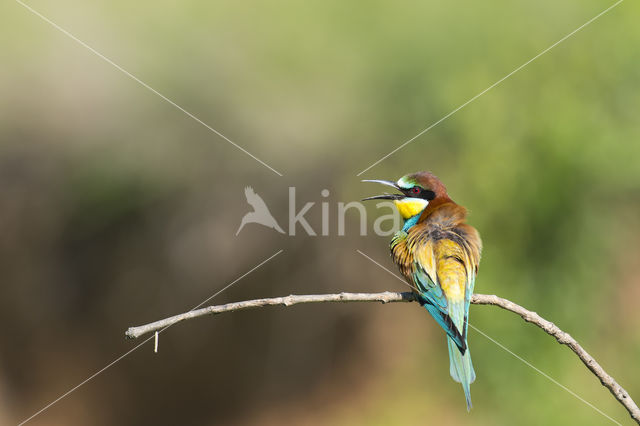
pixel 117 209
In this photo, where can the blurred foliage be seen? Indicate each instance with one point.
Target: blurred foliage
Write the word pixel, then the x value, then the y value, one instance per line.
pixel 117 209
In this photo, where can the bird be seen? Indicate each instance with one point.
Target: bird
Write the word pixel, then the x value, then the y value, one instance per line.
pixel 260 213
pixel 438 254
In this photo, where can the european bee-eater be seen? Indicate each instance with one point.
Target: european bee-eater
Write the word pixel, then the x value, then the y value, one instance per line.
pixel 438 254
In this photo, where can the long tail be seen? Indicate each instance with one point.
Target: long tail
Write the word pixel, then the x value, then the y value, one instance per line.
pixel 461 369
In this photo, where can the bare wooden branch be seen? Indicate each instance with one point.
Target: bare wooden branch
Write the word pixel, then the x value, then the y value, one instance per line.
pixel 388 297
pixel 565 339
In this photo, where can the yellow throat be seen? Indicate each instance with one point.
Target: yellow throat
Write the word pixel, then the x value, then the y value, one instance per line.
pixel 409 207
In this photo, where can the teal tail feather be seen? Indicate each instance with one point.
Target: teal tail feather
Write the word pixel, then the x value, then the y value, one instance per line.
pixel 461 369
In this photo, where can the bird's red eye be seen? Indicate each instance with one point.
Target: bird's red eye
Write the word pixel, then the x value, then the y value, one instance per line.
pixel 415 190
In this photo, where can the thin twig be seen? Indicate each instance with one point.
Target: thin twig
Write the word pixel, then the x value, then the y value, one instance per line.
pixel 388 297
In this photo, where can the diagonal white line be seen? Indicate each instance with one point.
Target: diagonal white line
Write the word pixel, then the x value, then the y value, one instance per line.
pixel 84 381
pixel 492 86
pixel 142 83
pixel 501 346
pixel 67 393
pixel 237 279
pixel 545 375
pixel 392 273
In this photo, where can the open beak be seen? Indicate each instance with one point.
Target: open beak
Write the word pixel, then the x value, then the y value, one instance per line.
pixel 384 196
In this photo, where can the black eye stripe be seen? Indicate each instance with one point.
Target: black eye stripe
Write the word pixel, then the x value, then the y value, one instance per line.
pixel 428 195
pixel 425 194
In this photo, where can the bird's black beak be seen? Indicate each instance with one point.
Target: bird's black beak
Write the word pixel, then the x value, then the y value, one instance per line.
pixel 384 196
